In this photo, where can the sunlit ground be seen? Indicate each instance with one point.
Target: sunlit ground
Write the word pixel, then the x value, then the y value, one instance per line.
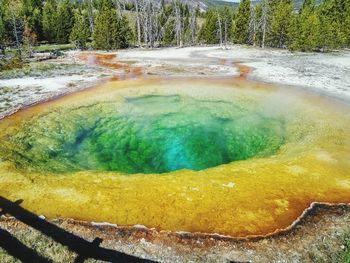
pixel 212 156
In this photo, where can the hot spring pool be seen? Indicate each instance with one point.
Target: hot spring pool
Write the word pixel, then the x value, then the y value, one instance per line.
pixel 196 155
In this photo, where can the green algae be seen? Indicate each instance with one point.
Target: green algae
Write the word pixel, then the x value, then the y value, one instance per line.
pixel 146 134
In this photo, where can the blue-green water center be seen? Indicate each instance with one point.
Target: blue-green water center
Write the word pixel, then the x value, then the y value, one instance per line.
pixel 146 134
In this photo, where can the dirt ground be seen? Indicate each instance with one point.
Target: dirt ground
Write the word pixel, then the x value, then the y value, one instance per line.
pixel 317 237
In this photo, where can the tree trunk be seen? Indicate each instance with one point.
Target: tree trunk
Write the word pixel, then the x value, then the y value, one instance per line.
pixel 193 25
pixel 138 23
pixel 220 28
pixel 225 31
pixel 264 17
pixel 178 24
pixel 91 16
pixel 16 32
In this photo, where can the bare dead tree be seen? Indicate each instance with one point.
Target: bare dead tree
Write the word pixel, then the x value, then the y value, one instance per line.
pixel 138 22
pixel 90 14
pixel 252 26
pixel 161 22
pixel 156 27
pixel 152 25
pixel 219 22
pixel 119 6
pixel 29 39
pixel 144 19
pixel 226 25
pixel 193 24
pixel 146 22
pixel 148 18
pixel 178 24
pixel 264 20
pixel 16 23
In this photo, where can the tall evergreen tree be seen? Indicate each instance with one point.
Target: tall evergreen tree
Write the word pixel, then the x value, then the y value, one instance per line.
pixel 49 16
pixel 241 30
pixel 110 31
pixel 80 32
pixel 209 30
pixel 105 27
pixel 347 23
pixel 305 31
pixel 123 33
pixel 162 20
pixel 227 15
pixel 332 34
pixel 64 21
pixel 280 23
pixel 169 32
pixel 32 13
pixel 2 27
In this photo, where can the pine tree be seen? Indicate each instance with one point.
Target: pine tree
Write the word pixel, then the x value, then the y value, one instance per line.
pixel 332 36
pixel 80 32
pixel 88 6
pixel 346 26
pixel 32 14
pixel 209 30
pixel 280 23
pixel 64 21
pixel 169 32
pixel 305 30
pixel 241 30
pixel 105 28
pixel 2 27
pixel 227 17
pixel 49 15
pixel 123 33
pixel 161 21
pixel 110 31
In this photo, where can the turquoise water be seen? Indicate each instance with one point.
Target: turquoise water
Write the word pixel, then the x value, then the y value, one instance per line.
pixel 148 134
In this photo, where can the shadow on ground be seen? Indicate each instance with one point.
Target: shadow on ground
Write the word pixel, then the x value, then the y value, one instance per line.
pixel 83 248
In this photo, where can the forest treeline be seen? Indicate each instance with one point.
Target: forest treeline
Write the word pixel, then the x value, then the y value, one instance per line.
pixel 114 24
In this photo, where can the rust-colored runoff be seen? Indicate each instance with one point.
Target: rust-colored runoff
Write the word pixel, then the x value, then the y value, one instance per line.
pixel 124 70
pixel 242 69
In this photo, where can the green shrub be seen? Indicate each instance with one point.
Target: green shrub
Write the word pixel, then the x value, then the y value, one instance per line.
pixel 11 63
pixel 53 47
pixel 344 256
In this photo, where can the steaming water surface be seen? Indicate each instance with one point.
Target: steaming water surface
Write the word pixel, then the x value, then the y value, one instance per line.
pixel 146 134
pixel 209 156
